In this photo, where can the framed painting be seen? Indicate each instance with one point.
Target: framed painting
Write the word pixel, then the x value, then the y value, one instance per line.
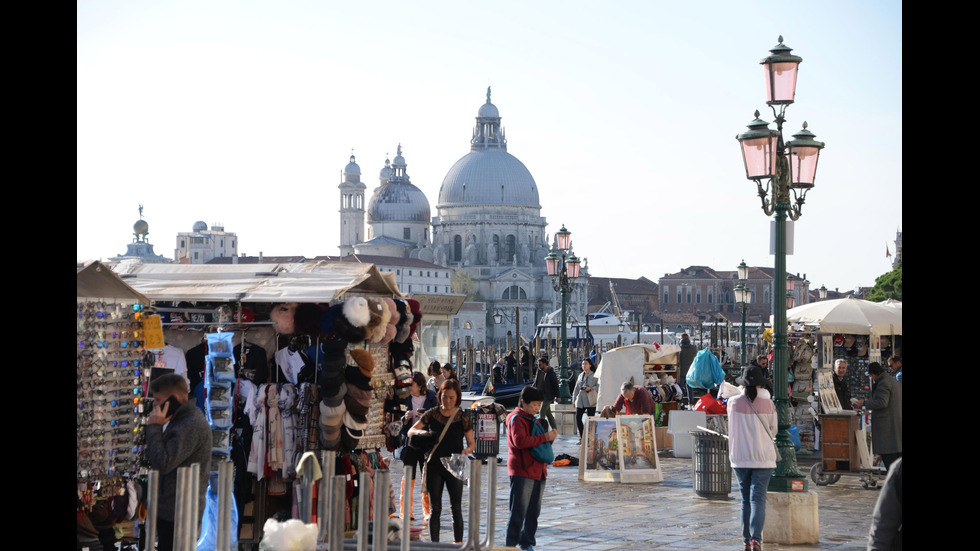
pixel 638 449
pixel 602 457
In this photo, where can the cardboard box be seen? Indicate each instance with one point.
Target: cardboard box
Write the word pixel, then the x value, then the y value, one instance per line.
pixel 664 439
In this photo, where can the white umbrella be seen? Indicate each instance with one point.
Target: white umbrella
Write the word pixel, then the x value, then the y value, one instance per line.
pixel 892 303
pixel 849 315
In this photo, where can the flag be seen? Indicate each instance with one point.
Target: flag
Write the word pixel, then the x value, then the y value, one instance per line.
pixel 888 253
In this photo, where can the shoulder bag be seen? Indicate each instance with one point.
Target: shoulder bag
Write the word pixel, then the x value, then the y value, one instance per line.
pixel 543 452
pixel 425 466
pixel 779 456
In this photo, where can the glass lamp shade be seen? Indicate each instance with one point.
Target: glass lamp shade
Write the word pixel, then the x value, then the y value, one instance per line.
pixel 804 151
pixel 790 284
pixel 790 302
pixel 573 266
pixel 564 238
pixel 748 296
pixel 759 149
pixel 551 262
pixel 780 73
pixel 822 292
pixel 743 271
pixel 497 317
pixel 740 297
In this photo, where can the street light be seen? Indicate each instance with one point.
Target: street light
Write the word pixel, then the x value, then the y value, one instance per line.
pixel 563 270
pixel 822 291
pixel 786 168
pixel 743 297
pixel 499 316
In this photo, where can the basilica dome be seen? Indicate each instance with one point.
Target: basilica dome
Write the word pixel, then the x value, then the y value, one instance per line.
pixel 398 202
pixel 488 177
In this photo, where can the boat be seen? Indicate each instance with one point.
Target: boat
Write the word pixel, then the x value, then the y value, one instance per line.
pixel 604 329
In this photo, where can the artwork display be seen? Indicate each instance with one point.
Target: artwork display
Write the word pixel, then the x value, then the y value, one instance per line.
pixel 601 450
pixel 638 449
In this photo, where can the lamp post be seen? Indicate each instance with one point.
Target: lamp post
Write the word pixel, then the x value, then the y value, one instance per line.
pixel 822 291
pixel 786 168
pixel 743 297
pixel 499 316
pixel 563 269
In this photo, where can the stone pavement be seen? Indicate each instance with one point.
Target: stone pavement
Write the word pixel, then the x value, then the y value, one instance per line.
pixel 594 516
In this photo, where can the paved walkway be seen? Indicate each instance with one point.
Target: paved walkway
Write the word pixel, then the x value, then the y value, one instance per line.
pixel 594 516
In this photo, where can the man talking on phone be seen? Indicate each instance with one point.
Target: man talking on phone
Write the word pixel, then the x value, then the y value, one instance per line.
pixel 177 435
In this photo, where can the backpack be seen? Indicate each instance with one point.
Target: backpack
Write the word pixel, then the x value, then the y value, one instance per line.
pixel 543 452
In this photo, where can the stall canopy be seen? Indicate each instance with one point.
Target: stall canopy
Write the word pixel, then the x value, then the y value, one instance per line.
pixel 619 364
pixel 321 281
pixel 95 280
pixel 849 315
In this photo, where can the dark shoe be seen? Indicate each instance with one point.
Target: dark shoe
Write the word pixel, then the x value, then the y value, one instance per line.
pixel 756 545
pixel 748 546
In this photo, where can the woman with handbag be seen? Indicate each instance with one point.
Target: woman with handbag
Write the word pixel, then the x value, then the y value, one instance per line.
pixel 585 395
pixel 527 474
pixel 450 425
pixel 420 400
pixel 752 450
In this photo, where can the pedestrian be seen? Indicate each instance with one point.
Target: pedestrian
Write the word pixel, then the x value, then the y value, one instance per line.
pixel 525 365
pixel 527 475
pixel 420 400
pixel 435 375
pixel 585 396
pixel 886 522
pixel 895 364
pixel 752 450
pixel 886 414
pixel 841 386
pixel 684 361
pixel 454 425
pixel 498 371
pixel 636 400
pixel 546 381
pixel 177 435
pixel 510 373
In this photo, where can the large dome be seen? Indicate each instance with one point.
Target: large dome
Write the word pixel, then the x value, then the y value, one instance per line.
pixel 398 202
pixel 488 177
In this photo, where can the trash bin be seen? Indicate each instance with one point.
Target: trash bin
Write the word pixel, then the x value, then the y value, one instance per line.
pixel 486 429
pixel 711 469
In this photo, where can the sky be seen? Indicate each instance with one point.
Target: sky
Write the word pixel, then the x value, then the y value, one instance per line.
pixel 244 114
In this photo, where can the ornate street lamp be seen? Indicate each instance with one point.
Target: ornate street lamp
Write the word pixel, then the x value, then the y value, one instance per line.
pixel 743 297
pixel 498 318
pixel 822 291
pixel 780 169
pixel 563 270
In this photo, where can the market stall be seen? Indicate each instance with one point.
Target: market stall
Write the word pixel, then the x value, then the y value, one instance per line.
pixel 314 353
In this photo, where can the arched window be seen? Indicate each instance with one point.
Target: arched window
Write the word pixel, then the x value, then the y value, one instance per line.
pixel 496 247
pixel 514 292
pixel 710 298
pixel 467 325
pixel 511 248
pixel 457 248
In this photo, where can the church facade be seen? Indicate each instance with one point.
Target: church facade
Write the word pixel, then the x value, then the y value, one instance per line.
pixel 487 228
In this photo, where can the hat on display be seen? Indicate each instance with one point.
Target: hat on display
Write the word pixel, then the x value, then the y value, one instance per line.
pixel 752 375
pixel 354 404
pixel 848 341
pixel 334 355
pixel 862 346
pixel 379 319
pixel 838 340
pixel 416 315
pixel 355 421
pixel 282 316
pixel 404 328
pixel 334 395
pixel 403 348
pixel 307 319
pixel 350 438
pixel 352 321
pixel 392 328
pixel 362 395
pixel 364 361
pixel 403 377
pixel 332 415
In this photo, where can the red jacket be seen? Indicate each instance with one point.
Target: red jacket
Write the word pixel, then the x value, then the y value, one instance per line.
pixel 519 444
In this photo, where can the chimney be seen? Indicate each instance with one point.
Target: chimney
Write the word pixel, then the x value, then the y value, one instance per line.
pixel 260 257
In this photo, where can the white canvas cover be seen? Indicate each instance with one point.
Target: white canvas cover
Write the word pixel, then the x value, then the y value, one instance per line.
pixel 619 364
pixel 848 315
pixel 288 282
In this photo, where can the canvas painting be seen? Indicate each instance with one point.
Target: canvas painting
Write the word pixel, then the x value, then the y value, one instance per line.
pixel 601 450
pixel 638 449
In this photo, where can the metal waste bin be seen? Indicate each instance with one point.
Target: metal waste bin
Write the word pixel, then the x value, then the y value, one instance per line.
pixel 486 429
pixel 711 469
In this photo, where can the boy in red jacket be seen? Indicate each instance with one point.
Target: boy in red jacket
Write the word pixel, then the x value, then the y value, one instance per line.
pixel 527 475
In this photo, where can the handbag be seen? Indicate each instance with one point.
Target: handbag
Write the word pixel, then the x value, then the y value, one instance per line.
pixel 543 452
pixel 779 456
pixel 592 395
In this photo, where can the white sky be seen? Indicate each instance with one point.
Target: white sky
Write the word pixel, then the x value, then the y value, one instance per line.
pixel 245 113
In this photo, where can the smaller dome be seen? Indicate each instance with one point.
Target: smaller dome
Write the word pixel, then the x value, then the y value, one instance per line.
pixel 200 226
pixel 352 168
pixel 386 171
pixel 488 111
pixel 140 227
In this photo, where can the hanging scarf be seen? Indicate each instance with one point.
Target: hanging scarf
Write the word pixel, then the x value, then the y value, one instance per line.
pixel 287 399
pixel 256 456
pixel 273 438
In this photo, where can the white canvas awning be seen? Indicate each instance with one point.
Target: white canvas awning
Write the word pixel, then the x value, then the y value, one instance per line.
pixel 95 280
pixel 321 281
pixel 619 364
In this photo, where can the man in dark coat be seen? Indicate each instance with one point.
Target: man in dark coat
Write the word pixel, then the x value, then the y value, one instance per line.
pixel 886 414
pixel 688 353
pixel 546 381
pixel 177 435
pixel 510 373
pixel 841 386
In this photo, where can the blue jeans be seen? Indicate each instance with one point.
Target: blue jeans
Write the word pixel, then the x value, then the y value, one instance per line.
pixel 753 484
pixel 525 506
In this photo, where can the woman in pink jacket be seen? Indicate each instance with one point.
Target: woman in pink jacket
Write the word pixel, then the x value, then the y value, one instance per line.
pixel 527 475
pixel 751 426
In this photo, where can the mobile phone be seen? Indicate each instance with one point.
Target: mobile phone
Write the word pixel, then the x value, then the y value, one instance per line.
pixel 172 408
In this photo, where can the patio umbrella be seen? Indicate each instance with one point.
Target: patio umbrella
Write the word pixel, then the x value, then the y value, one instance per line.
pixel 849 315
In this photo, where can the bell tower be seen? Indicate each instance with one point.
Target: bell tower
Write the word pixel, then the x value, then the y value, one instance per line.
pixel 351 208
